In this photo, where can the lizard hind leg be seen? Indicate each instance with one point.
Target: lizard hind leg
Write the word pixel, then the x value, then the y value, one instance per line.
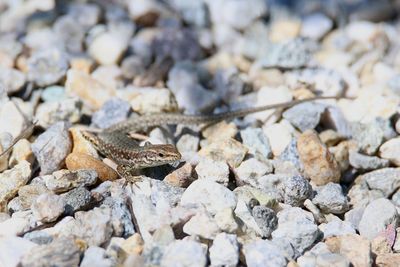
pixel 128 173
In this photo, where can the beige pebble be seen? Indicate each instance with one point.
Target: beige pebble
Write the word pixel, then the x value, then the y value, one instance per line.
pixel 82 64
pixel 21 151
pixel 87 88
pixel 319 164
pixel 221 130
pixel 81 145
pixel 76 161
pixel 181 177
pixel 284 30
pixel 229 150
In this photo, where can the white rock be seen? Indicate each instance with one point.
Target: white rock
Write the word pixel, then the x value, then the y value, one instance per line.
pixel 377 216
pixel 279 136
pixel 11 119
pixel 216 171
pixel 96 256
pixel 391 150
pixel 48 207
pixel 213 196
pixel 12 249
pixel 203 225
pixel 252 169
pixel 224 250
pixel 107 48
pixel 263 253
pixel 315 26
pixel 185 253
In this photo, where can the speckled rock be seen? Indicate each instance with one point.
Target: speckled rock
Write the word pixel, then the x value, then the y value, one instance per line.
pixel 330 199
pixel 304 116
pixel 296 189
pixel 64 110
pixel 77 161
pixel 257 142
pixel 319 164
pixel 52 147
pixel 216 171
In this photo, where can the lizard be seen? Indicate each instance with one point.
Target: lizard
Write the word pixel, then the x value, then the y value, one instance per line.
pixel 114 142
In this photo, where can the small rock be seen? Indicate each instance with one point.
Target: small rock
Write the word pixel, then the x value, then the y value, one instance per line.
pixel 52 147
pixel 337 228
pixel 257 142
pixel 390 151
pixel 47 67
pixel 162 193
pixel 252 169
pixel 263 253
pixel 181 177
pixel 13 249
pixel 87 88
pixel 224 250
pixel 377 216
pixel 65 180
pixel 22 151
pixel 231 151
pixel 146 100
pixel 132 66
pixel 315 26
pixel 304 116
pixel 78 161
pixel 284 30
pixel 319 163
pixel 77 199
pixel 298 227
pixel 221 130
pixel 266 219
pixel 188 143
pixel 48 207
pixel 202 225
pixel 112 112
pixel 27 194
pixel 291 155
pixel 63 252
pixel 184 253
pixel 379 245
pixel 121 218
pixel 70 32
pixel 11 119
pixel 279 135
pixel 386 180
pixel 96 256
pixel 213 196
pixel 368 136
pixel 226 221
pixel 5 142
pixel 331 259
pixel 330 137
pixel 330 199
pixel 49 113
pixel 216 171
pixel 12 180
pixel 11 79
pixel 387 260
pixel 296 190
pixel 363 162
pixel 81 145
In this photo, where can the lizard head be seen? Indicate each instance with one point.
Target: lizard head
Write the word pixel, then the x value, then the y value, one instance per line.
pixel 157 155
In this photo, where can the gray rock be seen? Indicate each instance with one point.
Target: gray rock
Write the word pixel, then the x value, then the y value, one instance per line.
pixel 213 196
pixel 354 216
pixel 52 147
pixel 121 218
pixel 69 109
pixel 70 32
pixel 65 180
pixel 396 198
pixel 366 163
pixel 48 207
pixel 298 227
pixel 62 252
pixel 84 14
pixel 263 253
pixel 296 189
pixel 266 219
pixel 228 84
pixel 224 250
pixel 252 169
pixel 257 142
pixel 304 116
pixel 185 253
pixel 164 193
pixel 113 111
pixel 368 136
pixel 386 180
pixel 333 118
pixel 291 155
pixel 376 217
pixel 47 67
pixel 330 199
pixel 132 66
pixel 96 256
pixel 337 228
pixel 292 54
pixel 77 199
pixel 13 248
pixel 193 12
pixel 39 237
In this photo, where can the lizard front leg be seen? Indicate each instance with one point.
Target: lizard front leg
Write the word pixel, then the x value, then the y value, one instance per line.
pixel 129 173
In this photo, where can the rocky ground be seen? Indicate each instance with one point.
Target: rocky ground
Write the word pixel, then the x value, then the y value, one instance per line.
pixel 317 184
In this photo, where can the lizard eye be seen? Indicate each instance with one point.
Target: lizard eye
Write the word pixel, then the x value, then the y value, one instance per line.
pixel 160 154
